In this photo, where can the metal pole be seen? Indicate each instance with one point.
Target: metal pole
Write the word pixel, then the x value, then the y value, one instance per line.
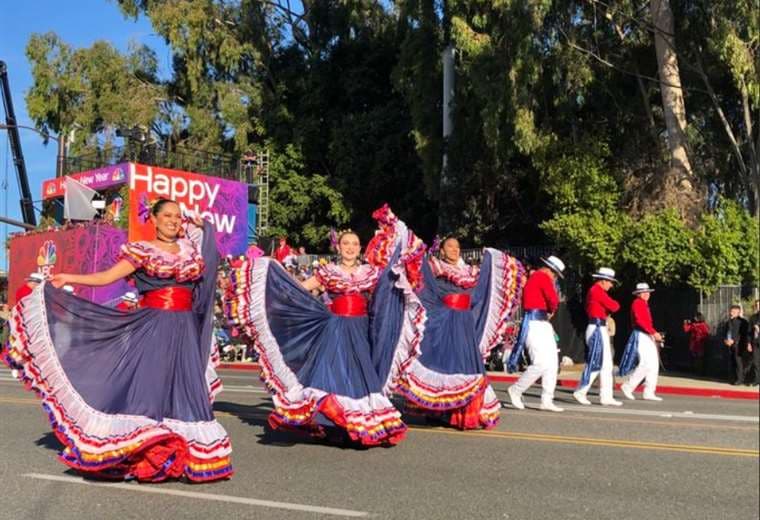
pixel 61 158
pixel 16 223
pixel 447 59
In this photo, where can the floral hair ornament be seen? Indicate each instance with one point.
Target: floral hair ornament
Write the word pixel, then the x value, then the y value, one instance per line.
pixel 437 244
pixel 145 208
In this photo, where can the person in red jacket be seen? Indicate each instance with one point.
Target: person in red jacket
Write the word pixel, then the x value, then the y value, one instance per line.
pixel 283 250
pixel 599 305
pixel 540 302
pixel 32 281
pixel 642 345
pixel 698 332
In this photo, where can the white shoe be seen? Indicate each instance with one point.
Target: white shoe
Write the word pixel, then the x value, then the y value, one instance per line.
pixel 516 398
pixel 651 397
pixel 581 398
pixel 550 407
pixel 611 402
pixel 627 392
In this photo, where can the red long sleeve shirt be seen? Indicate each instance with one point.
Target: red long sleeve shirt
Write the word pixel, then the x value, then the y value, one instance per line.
pixel 698 333
pixel 599 304
pixel 641 317
pixel 539 293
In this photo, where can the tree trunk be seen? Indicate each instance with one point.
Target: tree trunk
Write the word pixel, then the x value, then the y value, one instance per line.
pixel 670 88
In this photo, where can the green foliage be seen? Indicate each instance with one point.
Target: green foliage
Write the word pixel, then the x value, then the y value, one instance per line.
pixel 589 237
pixel 659 248
pixel 555 138
pixel 302 204
pixel 90 90
pixel 727 248
pixel 579 177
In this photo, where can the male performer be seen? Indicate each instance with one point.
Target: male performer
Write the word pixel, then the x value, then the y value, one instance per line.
pixel 540 302
pixel 599 305
pixel 642 344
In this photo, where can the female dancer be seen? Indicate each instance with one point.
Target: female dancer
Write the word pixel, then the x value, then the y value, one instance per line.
pixel 467 311
pixel 331 365
pixel 129 394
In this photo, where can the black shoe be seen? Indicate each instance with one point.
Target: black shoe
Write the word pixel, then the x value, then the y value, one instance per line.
pixel 737 383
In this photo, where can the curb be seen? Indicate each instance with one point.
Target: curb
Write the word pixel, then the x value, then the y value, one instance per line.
pixel 572 383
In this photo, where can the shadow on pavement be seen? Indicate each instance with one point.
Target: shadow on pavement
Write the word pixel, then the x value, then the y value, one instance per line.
pixel 50 442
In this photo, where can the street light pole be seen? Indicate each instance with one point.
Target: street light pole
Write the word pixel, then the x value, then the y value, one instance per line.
pixel 60 162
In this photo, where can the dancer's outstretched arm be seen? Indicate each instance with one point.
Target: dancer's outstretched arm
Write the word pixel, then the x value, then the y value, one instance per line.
pixel 120 269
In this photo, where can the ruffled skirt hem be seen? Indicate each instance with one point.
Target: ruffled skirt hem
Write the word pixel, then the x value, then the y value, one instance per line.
pixel 106 445
pixel 369 421
pixel 466 401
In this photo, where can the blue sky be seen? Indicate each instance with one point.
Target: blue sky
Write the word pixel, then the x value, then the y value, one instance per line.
pixel 79 23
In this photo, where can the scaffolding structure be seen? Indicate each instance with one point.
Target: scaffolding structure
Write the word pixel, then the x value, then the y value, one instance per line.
pixel 255 171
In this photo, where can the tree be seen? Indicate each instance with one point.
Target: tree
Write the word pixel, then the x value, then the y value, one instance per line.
pixel 93 91
pixel 671 90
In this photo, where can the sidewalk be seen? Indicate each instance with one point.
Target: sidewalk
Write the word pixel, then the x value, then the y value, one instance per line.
pixel 668 383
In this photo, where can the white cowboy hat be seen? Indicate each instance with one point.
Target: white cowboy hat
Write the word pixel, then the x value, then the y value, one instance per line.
pixel 642 288
pixel 555 264
pixel 129 297
pixel 35 277
pixel 605 273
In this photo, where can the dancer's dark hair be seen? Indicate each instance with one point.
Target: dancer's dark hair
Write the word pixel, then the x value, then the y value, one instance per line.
pixel 160 203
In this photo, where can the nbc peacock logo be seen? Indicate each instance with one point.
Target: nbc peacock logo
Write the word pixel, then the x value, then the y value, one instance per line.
pixel 46 258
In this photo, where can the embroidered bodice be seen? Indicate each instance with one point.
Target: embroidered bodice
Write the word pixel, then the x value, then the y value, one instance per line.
pixel 156 268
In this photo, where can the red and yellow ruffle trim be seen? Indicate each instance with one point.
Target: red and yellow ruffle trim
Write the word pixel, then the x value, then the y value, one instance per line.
pixel 133 446
pixel 466 402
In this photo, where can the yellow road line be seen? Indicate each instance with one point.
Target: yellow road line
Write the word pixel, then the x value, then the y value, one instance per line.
pixel 18 400
pixel 677 423
pixel 592 441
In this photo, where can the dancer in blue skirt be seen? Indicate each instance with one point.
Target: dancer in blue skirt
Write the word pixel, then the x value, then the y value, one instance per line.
pixel 334 364
pixel 129 393
pixel 468 308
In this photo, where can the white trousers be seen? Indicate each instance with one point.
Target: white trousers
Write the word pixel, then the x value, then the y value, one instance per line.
pixel 648 368
pixel 605 374
pixel 542 348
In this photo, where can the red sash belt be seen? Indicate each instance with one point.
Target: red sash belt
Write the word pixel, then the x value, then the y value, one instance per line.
pixel 457 301
pixel 349 305
pixel 169 299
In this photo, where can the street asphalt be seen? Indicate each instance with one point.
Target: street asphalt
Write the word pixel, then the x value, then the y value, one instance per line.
pixel 683 458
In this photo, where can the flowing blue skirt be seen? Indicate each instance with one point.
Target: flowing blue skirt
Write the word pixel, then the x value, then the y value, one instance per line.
pixel 128 393
pixel 449 377
pixel 322 366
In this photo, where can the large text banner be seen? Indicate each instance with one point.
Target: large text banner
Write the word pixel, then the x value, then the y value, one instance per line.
pixel 222 202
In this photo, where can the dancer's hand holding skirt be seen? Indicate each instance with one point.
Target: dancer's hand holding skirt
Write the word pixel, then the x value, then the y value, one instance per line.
pixel 332 365
pixel 467 314
pixel 129 394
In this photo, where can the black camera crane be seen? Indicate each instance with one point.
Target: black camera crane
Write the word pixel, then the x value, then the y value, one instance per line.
pixel 27 207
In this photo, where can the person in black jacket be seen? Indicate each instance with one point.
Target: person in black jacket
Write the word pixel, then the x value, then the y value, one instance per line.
pixel 754 341
pixel 736 338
